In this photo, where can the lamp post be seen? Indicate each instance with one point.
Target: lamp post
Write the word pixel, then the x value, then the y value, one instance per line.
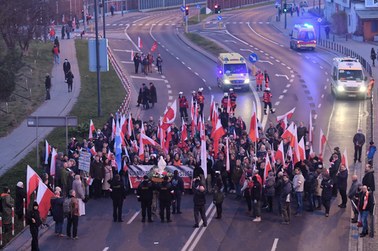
pixel 99 112
pixel 103 16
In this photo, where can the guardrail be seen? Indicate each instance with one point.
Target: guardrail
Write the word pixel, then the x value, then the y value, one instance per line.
pixel 124 107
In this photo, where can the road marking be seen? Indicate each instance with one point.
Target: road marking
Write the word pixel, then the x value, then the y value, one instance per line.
pixel 265 61
pixel 315 116
pixel 147 78
pixel 248 50
pixel 122 50
pixel 168 86
pixel 203 229
pixel 127 62
pixel 183 62
pixel 166 81
pixel 322 96
pixel 325 87
pixel 288 85
pixel 106 249
pixel 319 105
pixel 281 97
pixel 134 216
pixel 170 97
pixel 274 247
pixel 327 79
pixel 283 64
pixel 277 60
pixel 177 58
pixel 204 80
pixel 169 91
pixel 189 68
pixel 291 80
pixel 196 73
pixel 321 67
pixel 267 39
pixel 284 91
pixel 314 62
pixel 326 72
pixel 289 68
pixel 162 76
pixel 281 75
pixel 277 103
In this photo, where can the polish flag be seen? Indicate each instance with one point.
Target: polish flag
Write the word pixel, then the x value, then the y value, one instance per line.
pixel 141 148
pixel 268 167
pixel 140 44
pixel 47 152
pixel 169 115
pixel 286 116
pixel 132 55
pixel 212 107
pixel 302 150
pixel 184 131
pixel 130 126
pixel 203 148
pixel 147 140
pixel 154 46
pixel 161 134
pixel 280 153
pixel 168 140
pixel 290 152
pixel 296 157
pixel 344 159
pixel 311 150
pixel 194 117
pixel 214 119
pixel 290 134
pixel 124 125
pixel 253 129
pixel 310 130
pixel 53 162
pixel 217 135
pixel 134 145
pixel 91 129
pixel 32 180
pixel 227 156
pixel 93 151
pixel 322 142
pixel 44 196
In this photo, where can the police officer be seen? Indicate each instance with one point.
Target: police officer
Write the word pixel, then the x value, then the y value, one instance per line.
pixel 178 188
pixel 201 101
pixel 165 199
pixel 267 99
pixel 118 194
pixel 259 80
pixel 144 195
pixel 233 97
pixel 183 103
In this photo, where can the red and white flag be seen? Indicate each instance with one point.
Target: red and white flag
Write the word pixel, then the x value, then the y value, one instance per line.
pixel 93 151
pixel 212 107
pixel 280 153
pixel 130 126
pixel 217 135
pixel 43 199
pixel 154 46
pixel 301 149
pixel 290 152
pixel 168 140
pixel 286 116
pixel 169 115
pixel 53 162
pixel 203 148
pixel 32 180
pixel 253 128
pixel 290 134
pixel 141 148
pixel 268 167
pixel 193 116
pixel 91 129
pixel 227 156
pixel 310 130
pixel 147 140
pixel 140 44
pixel 296 155
pixel 184 131
pixel 322 142
pixel 344 159
pixel 47 152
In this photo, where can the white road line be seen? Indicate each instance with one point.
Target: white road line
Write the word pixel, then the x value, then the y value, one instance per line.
pixel 242 41
pixel 283 64
pixel 321 67
pixel 169 91
pixel 315 116
pixel 322 96
pixel 291 80
pixel 284 91
pixel 106 249
pixel 169 86
pixel 281 97
pixel 162 76
pixel 166 81
pixel 327 79
pixel 326 72
pixel 195 242
pixel 289 68
pixel 314 62
pixel 183 62
pixel 267 39
pixel 204 80
pixel 274 247
pixel 288 85
pixel 170 97
pixel 325 87
pixel 277 60
pixel 319 105
pixel 127 62
pixel 307 57
pixel 292 76
pixel 196 73
pixel 189 68
pixel 177 58
pixel 277 103
pixel 132 218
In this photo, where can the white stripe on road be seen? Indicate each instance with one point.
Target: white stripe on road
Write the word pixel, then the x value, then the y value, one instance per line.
pixel 274 247
pixel 106 249
pixel 195 242
pixel 133 218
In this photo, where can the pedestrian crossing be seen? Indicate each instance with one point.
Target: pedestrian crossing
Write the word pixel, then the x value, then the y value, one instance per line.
pixel 175 24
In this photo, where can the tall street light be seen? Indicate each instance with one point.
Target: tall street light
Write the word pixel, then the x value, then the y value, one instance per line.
pixel 99 112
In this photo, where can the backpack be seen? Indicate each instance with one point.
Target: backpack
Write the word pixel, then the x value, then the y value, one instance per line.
pixel 67 206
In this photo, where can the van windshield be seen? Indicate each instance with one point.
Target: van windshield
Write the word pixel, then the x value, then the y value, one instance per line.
pixel 350 74
pixel 235 68
pixel 306 35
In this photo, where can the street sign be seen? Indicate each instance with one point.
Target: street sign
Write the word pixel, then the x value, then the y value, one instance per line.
pixel 219 18
pixel 320 20
pixel 198 6
pixel 182 8
pixel 51 121
pixel 253 58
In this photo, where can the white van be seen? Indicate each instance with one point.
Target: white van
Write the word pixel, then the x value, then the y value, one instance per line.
pixel 348 78
pixel 232 71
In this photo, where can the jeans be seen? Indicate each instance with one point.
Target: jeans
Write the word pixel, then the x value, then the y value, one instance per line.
pixel 327 205
pixel 299 196
pixel 286 211
pixel 343 196
pixel 56 59
pixel 202 211
pixel 59 227
pixel 364 220
pixel 72 221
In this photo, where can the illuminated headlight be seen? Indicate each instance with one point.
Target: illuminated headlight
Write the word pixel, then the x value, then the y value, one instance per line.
pixel 363 88
pixel 340 88
pixel 246 81
pixel 227 81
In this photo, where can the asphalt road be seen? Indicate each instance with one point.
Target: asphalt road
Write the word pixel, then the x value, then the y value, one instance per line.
pixel 306 88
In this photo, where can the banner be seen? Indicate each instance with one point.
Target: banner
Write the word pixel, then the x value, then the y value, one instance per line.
pixel 84 161
pixel 136 173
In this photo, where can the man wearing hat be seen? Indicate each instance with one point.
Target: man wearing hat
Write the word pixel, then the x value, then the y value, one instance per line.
pixel 166 194
pixel 19 201
pixel 267 99
pixel 34 221
pixel 145 195
pixel 183 103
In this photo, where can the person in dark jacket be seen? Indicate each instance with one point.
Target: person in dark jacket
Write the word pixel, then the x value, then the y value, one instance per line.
pixel 34 221
pixel 136 60
pixel 366 207
pixel 368 179
pixel 353 196
pixel 19 201
pixel 118 194
pixel 358 141
pixel 199 200
pixel 165 199
pixel 269 190
pixel 58 213
pixel 256 198
pixel 66 68
pixel 334 168
pixel 69 78
pixel 285 192
pixel 218 198
pixel 342 183
pixel 373 56
pixel 97 173
pixel 178 189
pixel 145 195
pixel 48 86
pixel 153 95
pixel 326 185
pixel 145 97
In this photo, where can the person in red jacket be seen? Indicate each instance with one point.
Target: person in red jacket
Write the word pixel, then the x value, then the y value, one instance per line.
pixel 224 102
pixel 233 97
pixel 259 80
pixel 183 103
pixel 267 99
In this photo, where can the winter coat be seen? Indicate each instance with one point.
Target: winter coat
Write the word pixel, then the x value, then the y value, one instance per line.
pixel 57 209
pixel 19 202
pixel 218 196
pixel 33 214
pixel 256 191
pixel 96 170
pixel 165 192
pixel 199 198
pixel 359 139
pixel 118 190
pixel 269 185
pixel 7 204
pixel 368 180
pixel 285 191
pixel 342 179
pixel 107 177
pixel 326 186
pixel 145 191
pixel 153 95
pixel 77 186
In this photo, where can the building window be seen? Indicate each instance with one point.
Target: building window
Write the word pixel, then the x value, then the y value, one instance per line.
pixel 374 26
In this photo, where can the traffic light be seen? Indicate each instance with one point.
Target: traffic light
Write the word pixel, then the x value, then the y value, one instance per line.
pixel 217 9
pixel 285 8
pixel 187 10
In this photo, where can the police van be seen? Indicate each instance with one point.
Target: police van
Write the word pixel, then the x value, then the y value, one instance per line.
pixel 303 37
pixel 232 72
pixel 348 78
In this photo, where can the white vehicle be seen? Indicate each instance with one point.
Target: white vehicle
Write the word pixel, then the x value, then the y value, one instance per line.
pixel 232 71
pixel 348 78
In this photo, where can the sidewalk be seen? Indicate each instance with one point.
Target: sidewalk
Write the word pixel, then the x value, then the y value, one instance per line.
pixel 22 140
pixel 363 49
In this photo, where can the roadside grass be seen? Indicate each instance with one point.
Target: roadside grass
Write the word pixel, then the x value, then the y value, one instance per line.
pixel 205 43
pixel 29 91
pixel 112 93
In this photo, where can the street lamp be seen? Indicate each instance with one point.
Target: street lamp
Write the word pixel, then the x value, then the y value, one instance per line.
pixel 99 112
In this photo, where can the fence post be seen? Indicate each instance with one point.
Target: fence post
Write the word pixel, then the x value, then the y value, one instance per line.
pixel 24 211
pixel 12 221
pixel 1 231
